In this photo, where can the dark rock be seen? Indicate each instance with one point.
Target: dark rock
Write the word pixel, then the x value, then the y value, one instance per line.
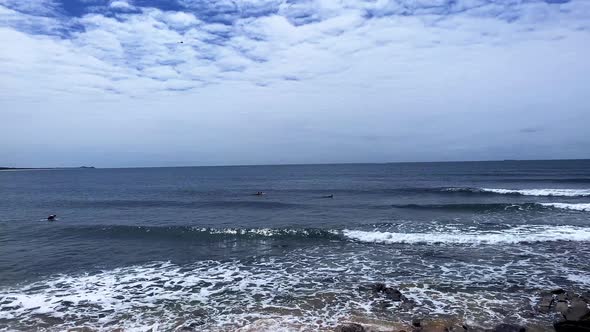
pixel 393 294
pixel 379 287
pixel 578 309
pixel 416 322
pixel 558 291
pixel 350 327
pixel 544 305
pixel 561 307
pixel 509 328
pixel 571 326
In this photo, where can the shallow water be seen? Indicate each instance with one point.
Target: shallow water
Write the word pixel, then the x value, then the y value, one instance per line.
pixel 135 248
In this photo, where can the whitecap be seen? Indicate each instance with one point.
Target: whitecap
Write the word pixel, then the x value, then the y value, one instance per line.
pixel 539 192
pixel 569 206
pixel 518 234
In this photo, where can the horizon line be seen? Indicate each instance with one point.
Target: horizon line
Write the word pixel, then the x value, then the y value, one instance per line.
pixel 294 164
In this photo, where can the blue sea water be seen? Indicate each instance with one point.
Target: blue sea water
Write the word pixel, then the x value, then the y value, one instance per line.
pixel 195 247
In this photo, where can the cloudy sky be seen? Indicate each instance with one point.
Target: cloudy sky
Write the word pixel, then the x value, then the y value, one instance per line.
pixel 197 82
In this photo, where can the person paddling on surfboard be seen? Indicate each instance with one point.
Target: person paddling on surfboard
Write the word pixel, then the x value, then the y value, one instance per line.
pixel 51 217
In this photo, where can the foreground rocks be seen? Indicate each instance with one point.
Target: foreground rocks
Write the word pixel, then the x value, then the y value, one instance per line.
pixel 566 311
pixel 571 310
pixel 429 325
pixel 351 327
pixel 391 293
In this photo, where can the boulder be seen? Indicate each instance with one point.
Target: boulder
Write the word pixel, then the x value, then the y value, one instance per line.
pixel 509 328
pixel 561 307
pixel 545 304
pixel 391 293
pixel 416 322
pixel 350 327
pixel 379 287
pixel 578 309
pixel 572 326
pixel 81 329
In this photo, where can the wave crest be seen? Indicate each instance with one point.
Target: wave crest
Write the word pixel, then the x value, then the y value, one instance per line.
pixel 525 192
pixel 569 206
pixel 521 234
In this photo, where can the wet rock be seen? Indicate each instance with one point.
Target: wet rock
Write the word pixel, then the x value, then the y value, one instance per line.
pixel 572 326
pixel 379 287
pixel 416 322
pixel 578 309
pixel 391 293
pixel 509 328
pixel 545 304
pixel 350 327
pixel 81 329
pixel 563 297
pixel 558 291
pixel 561 307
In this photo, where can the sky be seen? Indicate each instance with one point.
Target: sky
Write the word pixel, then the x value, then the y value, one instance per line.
pixel 127 83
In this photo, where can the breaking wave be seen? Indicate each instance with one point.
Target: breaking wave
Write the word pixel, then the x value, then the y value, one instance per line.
pixel 569 206
pixel 520 234
pixel 525 192
pixel 489 207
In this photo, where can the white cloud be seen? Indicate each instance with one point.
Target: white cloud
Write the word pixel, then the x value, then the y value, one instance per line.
pixel 121 5
pixel 341 76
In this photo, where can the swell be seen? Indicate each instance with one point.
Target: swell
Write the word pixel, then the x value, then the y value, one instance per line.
pixel 475 207
pixel 194 233
pixel 253 204
pixel 512 235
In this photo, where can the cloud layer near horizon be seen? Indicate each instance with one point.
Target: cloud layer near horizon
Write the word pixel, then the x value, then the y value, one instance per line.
pixel 122 83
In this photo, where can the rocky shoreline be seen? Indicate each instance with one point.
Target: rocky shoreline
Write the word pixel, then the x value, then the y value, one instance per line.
pixel 570 312
pixel 563 311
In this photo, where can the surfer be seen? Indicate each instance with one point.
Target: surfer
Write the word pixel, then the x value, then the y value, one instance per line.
pixel 329 196
pixel 51 217
pixel 260 193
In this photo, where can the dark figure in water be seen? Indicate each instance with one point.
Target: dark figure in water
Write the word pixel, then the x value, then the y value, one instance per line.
pixel 260 193
pixel 51 217
pixel 329 196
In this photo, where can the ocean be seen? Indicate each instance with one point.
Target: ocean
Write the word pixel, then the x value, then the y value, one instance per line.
pixel 196 248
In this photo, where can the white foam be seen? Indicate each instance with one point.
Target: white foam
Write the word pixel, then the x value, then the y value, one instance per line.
pixel 539 192
pixel 583 279
pixel 569 206
pixel 267 232
pixel 291 293
pixel 513 235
